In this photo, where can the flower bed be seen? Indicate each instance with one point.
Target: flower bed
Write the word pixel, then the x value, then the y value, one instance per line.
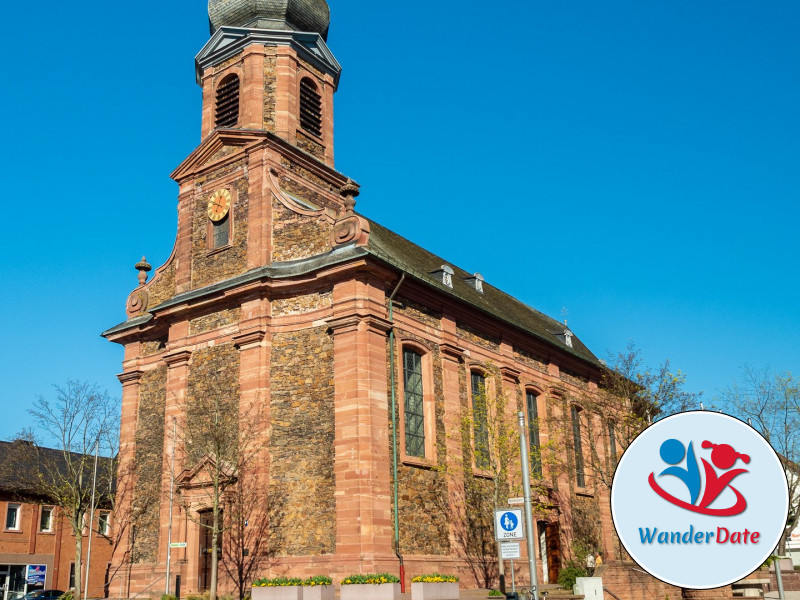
pixel 434 587
pixel 279 588
pixel 318 587
pixel 379 586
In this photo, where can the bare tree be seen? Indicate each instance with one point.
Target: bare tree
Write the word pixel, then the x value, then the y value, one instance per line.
pixel 630 397
pixel 81 419
pixel 253 514
pixel 224 446
pixel 771 402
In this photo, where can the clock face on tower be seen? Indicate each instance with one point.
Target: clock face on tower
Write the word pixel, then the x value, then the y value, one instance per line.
pixel 219 205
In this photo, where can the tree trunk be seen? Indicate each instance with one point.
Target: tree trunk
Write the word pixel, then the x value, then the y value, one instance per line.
pixel 214 551
pixel 78 555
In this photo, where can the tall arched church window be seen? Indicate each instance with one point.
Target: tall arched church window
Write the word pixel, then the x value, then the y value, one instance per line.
pixel 310 107
pixel 580 473
pixel 414 403
pixel 533 432
pixel 227 102
pixel 480 420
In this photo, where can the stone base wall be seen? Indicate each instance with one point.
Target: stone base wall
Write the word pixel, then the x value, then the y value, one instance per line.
pixel 626 581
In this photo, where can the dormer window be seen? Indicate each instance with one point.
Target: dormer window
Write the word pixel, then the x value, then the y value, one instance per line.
pixel 445 275
pixel 476 281
pixel 310 107
pixel 227 102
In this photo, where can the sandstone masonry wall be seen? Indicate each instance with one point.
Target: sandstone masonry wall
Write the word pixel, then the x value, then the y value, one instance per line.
pixel 147 466
pixel 297 236
pixel 301 444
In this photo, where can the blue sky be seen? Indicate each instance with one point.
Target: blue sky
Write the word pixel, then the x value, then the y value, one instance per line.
pixel 630 165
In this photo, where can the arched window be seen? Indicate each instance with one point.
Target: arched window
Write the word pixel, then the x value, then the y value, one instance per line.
pixel 480 420
pixel 221 233
pixel 310 107
pixel 414 403
pixel 580 474
pixel 532 399
pixel 227 102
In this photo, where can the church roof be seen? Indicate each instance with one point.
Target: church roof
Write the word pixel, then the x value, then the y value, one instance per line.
pixel 424 266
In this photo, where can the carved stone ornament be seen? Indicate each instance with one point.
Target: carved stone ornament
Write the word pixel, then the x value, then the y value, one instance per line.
pixel 350 228
pixel 139 299
pixel 138 302
pixel 353 229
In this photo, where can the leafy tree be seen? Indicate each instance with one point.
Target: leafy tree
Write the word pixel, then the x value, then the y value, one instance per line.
pixel 771 403
pixel 630 397
pixel 490 473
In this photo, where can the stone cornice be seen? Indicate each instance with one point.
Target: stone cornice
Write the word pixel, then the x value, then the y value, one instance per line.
pixel 350 322
pixel 249 339
pixel 510 374
pixel 451 352
pixel 178 359
pixel 130 377
pixel 229 41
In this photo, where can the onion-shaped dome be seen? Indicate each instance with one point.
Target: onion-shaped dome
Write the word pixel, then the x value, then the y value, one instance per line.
pixel 297 15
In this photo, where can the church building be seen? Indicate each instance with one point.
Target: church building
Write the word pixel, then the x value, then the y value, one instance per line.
pixel 368 378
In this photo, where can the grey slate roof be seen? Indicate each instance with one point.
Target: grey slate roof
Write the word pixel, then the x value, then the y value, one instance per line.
pixel 420 264
pixel 298 15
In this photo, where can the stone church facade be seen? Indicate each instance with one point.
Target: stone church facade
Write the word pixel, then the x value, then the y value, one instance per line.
pixel 300 310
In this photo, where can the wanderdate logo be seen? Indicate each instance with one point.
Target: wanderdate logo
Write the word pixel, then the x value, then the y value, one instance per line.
pixel 723 457
pixel 699 499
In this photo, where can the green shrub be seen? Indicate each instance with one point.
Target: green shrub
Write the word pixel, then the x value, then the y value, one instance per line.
pixel 168 597
pixel 66 596
pixel 277 582
pixel 435 578
pixel 317 580
pixel 568 575
pixel 496 593
pixel 371 578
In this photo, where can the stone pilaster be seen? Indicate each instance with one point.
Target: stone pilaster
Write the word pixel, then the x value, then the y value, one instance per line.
pixel 130 381
pixel 254 394
pixel 362 458
pixel 175 412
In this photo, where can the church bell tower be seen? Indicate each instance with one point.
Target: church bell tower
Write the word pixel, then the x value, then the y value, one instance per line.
pixel 267 67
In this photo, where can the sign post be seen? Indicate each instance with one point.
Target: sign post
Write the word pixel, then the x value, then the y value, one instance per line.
pixel 510 551
pixel 526 484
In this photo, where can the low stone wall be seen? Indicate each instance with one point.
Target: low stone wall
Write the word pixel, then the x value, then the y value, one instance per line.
pixel 627 581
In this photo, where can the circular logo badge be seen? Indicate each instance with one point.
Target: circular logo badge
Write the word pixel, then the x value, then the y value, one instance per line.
pixel 699 500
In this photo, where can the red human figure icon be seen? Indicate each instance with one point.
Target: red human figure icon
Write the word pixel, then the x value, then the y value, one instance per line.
pixel 724 457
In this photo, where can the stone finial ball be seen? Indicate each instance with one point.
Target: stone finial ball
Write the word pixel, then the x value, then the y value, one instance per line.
pixel 299 15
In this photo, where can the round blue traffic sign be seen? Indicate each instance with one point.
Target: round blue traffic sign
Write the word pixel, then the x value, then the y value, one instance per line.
pixel 509 521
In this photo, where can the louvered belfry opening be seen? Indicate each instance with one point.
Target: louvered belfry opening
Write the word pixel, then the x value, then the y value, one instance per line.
pixel 310 107
pixel 227 114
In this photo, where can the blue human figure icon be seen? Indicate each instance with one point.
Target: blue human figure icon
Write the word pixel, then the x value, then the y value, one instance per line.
pixel 509 521
pixel 672 452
